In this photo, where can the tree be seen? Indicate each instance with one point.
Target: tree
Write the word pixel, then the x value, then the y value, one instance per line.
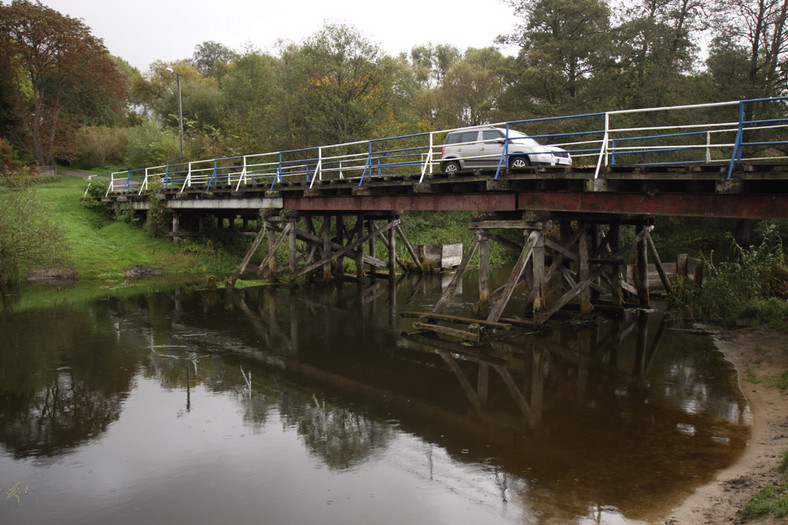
pixel 61 75
pixel 213 59
pixel 750 55
pixel 561 45
pixel 656 50
pixel 339 88
pixel 470 90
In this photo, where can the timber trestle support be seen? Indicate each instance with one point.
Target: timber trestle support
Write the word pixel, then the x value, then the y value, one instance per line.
pixel 563 260
pixel 318 245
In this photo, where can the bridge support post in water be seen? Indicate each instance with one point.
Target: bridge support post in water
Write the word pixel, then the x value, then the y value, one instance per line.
pixel 562 259
pixel 318 244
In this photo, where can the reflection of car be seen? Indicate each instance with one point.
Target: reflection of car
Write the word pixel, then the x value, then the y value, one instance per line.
pixel 482 148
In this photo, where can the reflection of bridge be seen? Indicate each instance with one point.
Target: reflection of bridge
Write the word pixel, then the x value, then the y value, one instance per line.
pixel 331 203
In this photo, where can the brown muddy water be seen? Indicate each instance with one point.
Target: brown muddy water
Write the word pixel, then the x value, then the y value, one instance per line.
pixel 315 405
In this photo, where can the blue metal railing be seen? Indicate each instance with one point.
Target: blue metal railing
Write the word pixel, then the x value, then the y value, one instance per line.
pixel 649 135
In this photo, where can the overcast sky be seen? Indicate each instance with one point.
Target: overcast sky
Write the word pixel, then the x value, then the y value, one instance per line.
pixel 141 31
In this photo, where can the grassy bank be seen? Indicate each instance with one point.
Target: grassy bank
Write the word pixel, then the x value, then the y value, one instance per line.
pixel 101 249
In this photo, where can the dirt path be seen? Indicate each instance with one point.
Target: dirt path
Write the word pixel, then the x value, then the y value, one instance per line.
pixel 759 355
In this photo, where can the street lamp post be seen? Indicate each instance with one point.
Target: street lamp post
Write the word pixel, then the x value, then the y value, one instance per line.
pixel 180 111
pixel 180 106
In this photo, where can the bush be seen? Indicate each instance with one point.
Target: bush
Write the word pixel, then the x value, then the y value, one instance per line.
pixel 28 238
pixel 149 145
pixel 753 285
pixel 100 146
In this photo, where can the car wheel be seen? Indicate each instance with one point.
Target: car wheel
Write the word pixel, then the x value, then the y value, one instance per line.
pixel 519 162
pixel 451 167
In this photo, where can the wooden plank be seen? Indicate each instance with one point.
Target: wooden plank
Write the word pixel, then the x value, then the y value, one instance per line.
pixel 456 319
pixel 450 332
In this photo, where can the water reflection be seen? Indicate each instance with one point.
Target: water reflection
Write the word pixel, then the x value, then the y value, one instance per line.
pixel 607 419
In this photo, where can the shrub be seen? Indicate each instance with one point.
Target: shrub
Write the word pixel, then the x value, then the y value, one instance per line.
pixel 28 238
pixel 100 146
pixel 149 145
pixel 743 287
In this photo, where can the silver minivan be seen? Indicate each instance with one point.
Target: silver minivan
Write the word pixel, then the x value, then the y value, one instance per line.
pixel 479 148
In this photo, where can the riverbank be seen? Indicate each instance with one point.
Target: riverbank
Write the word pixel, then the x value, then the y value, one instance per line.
pixel 760 356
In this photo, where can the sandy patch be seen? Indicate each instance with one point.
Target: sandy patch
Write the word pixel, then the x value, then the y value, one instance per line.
pixel 759 355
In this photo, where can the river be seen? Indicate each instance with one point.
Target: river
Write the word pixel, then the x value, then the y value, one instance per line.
pixel 319 404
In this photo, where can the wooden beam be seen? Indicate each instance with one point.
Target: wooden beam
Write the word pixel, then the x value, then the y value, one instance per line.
pixel 410 249
pixel 450 332
pixel 658 263
pixel 349 247
pixel 514 278
pixel 248 256
pixel 455 281
pixel 272 249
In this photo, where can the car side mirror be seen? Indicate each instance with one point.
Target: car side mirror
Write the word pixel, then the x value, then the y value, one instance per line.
pixel 501 141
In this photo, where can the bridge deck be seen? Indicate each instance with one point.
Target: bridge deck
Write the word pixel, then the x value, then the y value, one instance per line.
pixel 754 190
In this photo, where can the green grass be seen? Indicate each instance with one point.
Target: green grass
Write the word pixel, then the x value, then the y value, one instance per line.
pixel 771 500
pixel 101 249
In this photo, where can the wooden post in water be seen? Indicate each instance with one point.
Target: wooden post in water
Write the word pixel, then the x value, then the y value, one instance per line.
pixel 326 255
pixel 582 252
pixel 484 275
pixel 615 243
pixel 175 224
pixel 392 234
pixel 642 266
pixel 291 249
pixel 359 231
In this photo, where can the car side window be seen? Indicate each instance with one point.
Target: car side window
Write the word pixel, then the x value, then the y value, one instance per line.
pixel 469 136
pixel 491 135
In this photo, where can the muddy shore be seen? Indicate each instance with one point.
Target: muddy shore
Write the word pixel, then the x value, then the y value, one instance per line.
pixel 759 355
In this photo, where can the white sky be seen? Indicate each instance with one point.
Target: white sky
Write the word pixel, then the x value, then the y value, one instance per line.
pixel 141 31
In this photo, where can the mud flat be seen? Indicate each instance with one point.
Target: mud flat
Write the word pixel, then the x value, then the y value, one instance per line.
pixel 759 355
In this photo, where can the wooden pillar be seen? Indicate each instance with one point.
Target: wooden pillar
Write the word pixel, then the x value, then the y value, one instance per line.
pixel 175 224
pixel 340 235
pixel 565 230
pixel 582 249
pixel 538 273
pixel 370 229
pixel 392 233
pixel 614 236
pixel 484 276
pixel 327 248
pixel 291 249
pixel 360 251
pixel 272 260
pixel 642 268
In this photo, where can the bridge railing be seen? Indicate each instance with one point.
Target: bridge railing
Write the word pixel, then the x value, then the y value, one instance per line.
pixel 724 132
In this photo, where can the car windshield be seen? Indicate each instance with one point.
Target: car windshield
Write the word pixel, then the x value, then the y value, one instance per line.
pixel 520 137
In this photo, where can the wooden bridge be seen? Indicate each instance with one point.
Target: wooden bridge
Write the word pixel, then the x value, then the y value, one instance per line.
pixel 332 203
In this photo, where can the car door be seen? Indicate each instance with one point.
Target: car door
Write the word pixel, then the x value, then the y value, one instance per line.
pixel 491 147
pixel 470 149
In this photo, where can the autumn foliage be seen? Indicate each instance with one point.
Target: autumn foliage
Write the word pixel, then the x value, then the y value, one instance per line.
pixel 57 76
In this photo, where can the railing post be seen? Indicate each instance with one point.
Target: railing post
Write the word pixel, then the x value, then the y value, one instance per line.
pixel 736 157
pixel 368 165
pixel 603 148
pixel 504 153
pixel 144 183
pixel 318 169
pixel 427 162
pixel 111 186
pixel 188 180
pixel 708 146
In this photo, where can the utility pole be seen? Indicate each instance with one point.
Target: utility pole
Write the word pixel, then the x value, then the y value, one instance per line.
pixel 180 111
